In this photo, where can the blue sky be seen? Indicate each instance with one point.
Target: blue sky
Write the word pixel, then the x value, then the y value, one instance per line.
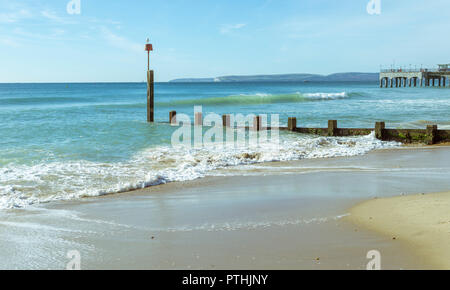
pixel 41 42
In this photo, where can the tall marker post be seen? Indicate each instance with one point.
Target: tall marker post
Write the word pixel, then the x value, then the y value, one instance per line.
pixel 150 86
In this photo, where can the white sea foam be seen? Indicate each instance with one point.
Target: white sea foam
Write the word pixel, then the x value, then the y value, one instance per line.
pixel 326 95
pixel 23 185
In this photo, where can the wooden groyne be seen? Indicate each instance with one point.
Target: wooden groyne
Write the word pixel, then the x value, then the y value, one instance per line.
pixel 430 136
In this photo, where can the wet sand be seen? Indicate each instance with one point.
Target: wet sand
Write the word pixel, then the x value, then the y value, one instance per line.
pixel 288 215
pixel 421 222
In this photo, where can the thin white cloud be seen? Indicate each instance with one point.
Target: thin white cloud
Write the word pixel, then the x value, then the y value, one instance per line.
pixel 9 42
pixel 120 42
pixel 228 28
pixel 52 16
pixel 15 16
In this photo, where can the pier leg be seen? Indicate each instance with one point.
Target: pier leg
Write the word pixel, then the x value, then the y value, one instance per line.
pixel 415 82
pixel 292 124
pixel 431 134
pixel 439 82
pixel 392 83
pixel 410 82
pixel 173 118
pixel 381 83
pixel 379 130
pixel 150 97
pixel 332 128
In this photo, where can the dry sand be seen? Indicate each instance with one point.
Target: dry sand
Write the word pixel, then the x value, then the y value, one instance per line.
pixel 420 222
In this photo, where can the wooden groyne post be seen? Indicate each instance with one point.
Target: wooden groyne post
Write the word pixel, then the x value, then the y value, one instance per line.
pixel 292 123
pixel 198 119
pixel 226 121
pixel 379 130
pixel 150 87
pixel 332 128
pixel 257 122
pixel 431 134
pixel 173 117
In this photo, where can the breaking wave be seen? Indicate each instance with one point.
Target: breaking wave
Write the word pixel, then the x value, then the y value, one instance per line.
pixel 255 99
pixel 24 185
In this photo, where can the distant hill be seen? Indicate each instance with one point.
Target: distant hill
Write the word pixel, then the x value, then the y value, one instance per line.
pixel 338 77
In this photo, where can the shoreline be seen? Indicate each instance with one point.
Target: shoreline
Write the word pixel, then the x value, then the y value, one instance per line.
pixel 265 164
pixel 420 222
pixel 285 215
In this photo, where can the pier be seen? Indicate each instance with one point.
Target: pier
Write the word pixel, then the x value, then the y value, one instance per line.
pixel 396 78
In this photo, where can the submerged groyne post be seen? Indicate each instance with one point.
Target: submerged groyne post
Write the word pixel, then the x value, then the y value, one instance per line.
pixel 332 128
pixel 173 117
pixel 380 130
pixel 292 123
pixel 226 121
pixel 431 134
pixel 257 123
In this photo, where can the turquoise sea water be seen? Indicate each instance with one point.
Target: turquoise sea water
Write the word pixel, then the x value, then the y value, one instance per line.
pixel 64 141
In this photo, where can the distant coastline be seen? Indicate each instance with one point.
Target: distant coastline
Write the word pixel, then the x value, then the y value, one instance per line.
pixel 337 77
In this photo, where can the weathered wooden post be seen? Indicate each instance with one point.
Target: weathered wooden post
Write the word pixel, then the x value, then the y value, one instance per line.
pixel 332 128
pixel 150 97
pixel 150 87
pixel 173 118
pixel 257 123
pixel 226 121
pixel 198 119
pixel 292 123
pixel 431 134
pixel 380 130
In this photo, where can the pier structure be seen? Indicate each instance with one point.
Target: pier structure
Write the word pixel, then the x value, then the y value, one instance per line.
pixel 396 78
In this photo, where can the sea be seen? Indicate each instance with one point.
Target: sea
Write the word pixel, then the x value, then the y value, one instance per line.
pixel 76 140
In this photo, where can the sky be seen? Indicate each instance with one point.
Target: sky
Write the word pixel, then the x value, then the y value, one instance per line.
pixel 43 41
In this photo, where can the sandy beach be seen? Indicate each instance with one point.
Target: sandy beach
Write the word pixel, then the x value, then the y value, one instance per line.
pixel 285 215
pixel 420 222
